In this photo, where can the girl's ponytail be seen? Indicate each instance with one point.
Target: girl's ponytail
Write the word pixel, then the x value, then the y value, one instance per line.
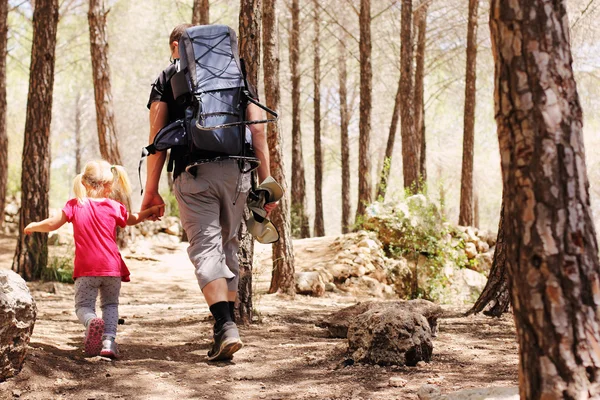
pixel 78 188
pixel 121 188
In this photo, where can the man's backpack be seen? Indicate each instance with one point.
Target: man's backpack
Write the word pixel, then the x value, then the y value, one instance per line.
pixel 211 83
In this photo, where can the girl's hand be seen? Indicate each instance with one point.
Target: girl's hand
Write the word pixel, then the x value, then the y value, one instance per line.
pixel 270 207
pixel 29 229
pixel 158 210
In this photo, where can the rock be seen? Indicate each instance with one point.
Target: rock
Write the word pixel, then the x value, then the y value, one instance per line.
pixel 11 209
pixel 174 230
pixel 17 318
pixel 465 286
pixel 482 246
pixel 365 285
pixel 494 393
pixel 429 392
pixel 58 239
pixel 390 336
pixel 471 234
pixel 488 237
pixel 470 250
pixel 338 322
pixel 396 381
pixel 484 262
pixel 310 283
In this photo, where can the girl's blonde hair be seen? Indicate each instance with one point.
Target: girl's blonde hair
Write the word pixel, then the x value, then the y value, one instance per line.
pixel 100 179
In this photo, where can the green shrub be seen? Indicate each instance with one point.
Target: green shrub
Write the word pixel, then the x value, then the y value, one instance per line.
pixel 59 269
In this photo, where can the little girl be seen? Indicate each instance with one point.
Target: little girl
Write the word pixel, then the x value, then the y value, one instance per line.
pixel 98 263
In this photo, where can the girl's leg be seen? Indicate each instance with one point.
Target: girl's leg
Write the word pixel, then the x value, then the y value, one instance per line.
pixel 86 291
pixel 109 302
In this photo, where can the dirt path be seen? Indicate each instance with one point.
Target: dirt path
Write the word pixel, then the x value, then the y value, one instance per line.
pixel 166 336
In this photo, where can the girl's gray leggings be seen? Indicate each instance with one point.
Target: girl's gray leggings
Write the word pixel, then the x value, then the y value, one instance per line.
pixel 86 291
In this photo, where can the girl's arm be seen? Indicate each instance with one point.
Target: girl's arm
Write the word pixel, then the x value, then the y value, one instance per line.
pixel 47 225
pixel 136 218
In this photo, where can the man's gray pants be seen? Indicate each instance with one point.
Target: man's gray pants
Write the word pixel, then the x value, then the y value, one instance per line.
pixel 211 207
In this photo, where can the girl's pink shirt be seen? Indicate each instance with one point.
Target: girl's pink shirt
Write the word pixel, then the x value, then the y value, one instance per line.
pixel 94 230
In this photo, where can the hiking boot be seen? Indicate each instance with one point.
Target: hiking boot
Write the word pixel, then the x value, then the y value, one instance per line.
pixel 93 336
pixel 226 342
pixel 109 348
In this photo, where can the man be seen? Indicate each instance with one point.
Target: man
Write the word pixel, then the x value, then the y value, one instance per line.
pixel 211 205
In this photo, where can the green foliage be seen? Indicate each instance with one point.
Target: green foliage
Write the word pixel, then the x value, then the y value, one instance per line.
pixel 296 221
pixel 413 229
pixel 171 206
pixel 59 269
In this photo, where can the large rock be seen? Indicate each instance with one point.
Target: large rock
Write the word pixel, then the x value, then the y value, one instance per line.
pixel 17 318
pixel 390 336
pixel 338 322
pixel 310 283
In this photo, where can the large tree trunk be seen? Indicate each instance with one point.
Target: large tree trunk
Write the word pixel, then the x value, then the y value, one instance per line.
pixel 344 123
pixel 78 117
pixel 300 223
pixel 366 88
pixel 419 99
pixel 466 182
pixel 282 279
pixel 552 253
pixel 494 300
pixel 319 227
pixel 31 254
pixel 249 48
pixel 201 12
pixel 105 116
pixel 389 148
pixel 3 110
pixel 410 144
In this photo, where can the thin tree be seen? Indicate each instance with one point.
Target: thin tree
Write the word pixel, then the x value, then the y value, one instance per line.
pixel 282 278
pixel 78 122
pixel 419 97
pixel 201 12
pixel 466 182
pixel 3 110
pixel 365 195
pixel 299 217
pixel 31 254
pixel 494 300
pixel 410 143
pixel 249 49
pixel 344 123
pixel 105 116
pixel 389 148
pixel 552 252
pixel 319 227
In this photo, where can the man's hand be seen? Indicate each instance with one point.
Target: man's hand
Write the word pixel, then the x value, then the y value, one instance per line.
pixel 151 200
pixel 270 207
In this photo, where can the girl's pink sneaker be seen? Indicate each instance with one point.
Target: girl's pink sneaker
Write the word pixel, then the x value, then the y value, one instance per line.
pixel 93 337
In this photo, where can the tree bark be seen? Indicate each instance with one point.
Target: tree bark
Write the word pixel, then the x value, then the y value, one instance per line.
pixel 552 252
pixel 365 196
pixel 494 300
pixel 410 143
pixel 419 99
pixel 344 123
pixel 389 148
pixel 3 109
pixel 300 223
pixel 319 227
pixel 465 217
pixel 31 254
pixel 105 116
pixel 201 12
pixel 249 49
pixel 282 279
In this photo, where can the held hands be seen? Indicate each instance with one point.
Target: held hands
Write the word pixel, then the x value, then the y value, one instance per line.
pixel 156 212
pixel 152 200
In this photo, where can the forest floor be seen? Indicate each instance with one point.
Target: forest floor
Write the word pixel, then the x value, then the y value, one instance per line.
pixel 166 333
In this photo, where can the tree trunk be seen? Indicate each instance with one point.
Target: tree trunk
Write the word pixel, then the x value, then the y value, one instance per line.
pixel 249 48
pixel 552 252
pixel 366 88
pixel 465 217
pixel 299 219
pixel 201 12
pixel 78 117
pixel 419 104
pixel 410 143
pixel 389 148
pixel 282 279
pixel 319 227
pixel 31 254
pixel 344 123
pixel 105 117
pixel 494 300
pixel 3 109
